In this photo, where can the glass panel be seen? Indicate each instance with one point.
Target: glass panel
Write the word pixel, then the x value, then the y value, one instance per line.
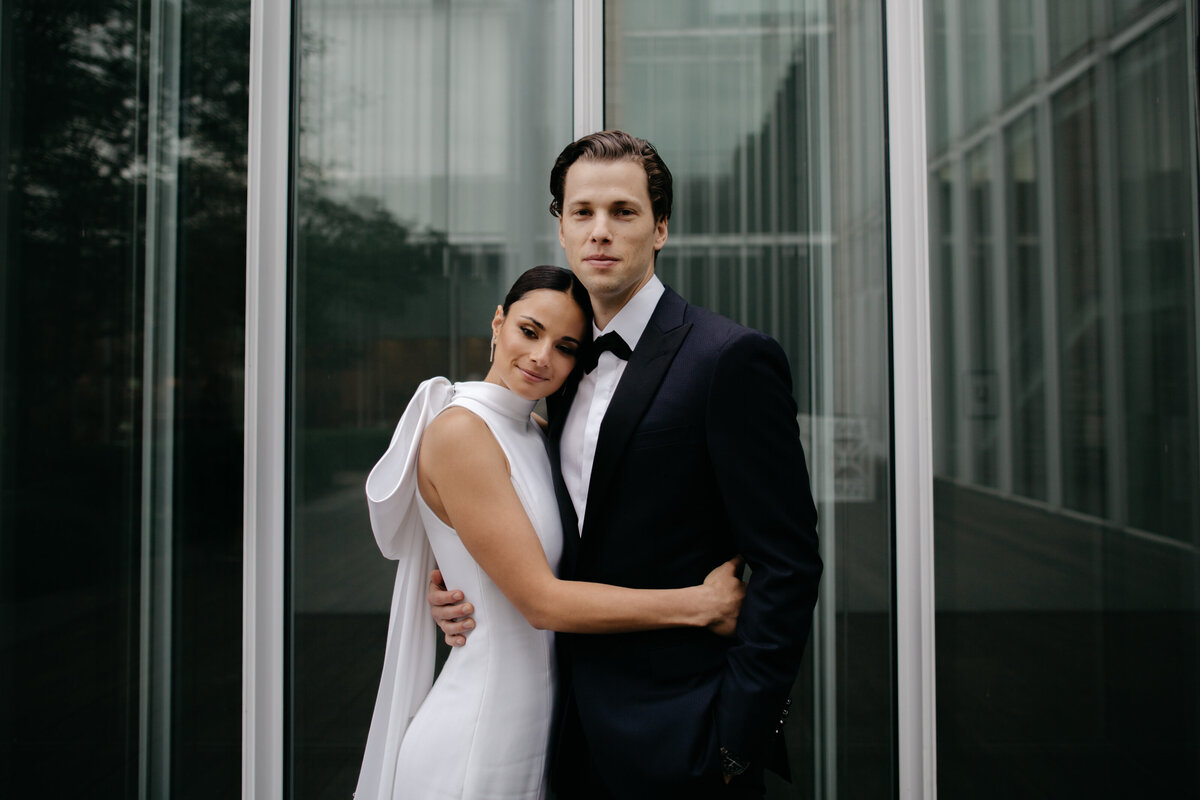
pixel 977 74
pixel 1068 591
pixel 1073 24
pixel 1158 287
pixel 1018 45
pixel 947 444
pixel 122 233
pixel 981 381
pixel 1025 302
pixel 770 116
pixel 1081 323
pixel 940 99
pixel 427 132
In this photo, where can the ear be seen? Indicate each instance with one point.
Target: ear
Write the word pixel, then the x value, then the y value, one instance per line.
pixel 497 321
pixel 660 234
pixel 562 241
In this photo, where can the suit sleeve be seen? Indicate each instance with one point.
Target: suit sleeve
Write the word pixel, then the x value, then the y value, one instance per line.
pixel 760 469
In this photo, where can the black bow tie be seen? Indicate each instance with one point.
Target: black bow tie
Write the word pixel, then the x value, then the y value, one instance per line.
pixel 612 342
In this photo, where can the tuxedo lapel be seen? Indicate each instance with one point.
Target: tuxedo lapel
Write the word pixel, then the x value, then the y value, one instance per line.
pixel 648 364
pixel 557 407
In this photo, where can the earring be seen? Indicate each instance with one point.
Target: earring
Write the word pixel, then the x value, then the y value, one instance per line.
pixel 492 352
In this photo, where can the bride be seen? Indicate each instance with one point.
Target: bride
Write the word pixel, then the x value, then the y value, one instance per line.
pixel 466 481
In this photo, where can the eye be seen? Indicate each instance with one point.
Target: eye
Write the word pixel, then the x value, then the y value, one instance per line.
pixel 568 350
pixel 529 332
pixel 582 212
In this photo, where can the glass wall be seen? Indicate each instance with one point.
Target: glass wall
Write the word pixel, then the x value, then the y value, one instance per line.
pixel 1064 280
pixel 427 132
pixel 122 252
pixel 770 116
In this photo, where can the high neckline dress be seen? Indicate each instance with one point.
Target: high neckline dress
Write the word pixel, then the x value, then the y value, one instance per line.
pixel 483 729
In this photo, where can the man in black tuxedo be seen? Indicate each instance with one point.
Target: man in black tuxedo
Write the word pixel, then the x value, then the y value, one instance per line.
pixel 667 464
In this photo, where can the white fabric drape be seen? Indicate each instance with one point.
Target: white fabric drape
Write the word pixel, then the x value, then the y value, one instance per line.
pixel 396 523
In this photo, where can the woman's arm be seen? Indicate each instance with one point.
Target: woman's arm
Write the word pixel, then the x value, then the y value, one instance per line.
pixel 464 477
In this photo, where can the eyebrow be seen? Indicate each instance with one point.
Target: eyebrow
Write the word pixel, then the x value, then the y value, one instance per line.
pixel 588 202
pixel 540 326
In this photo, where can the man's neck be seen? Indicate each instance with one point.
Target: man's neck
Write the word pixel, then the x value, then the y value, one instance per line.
pixel 603 313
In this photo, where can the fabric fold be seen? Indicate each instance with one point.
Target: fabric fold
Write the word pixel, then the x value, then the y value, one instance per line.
pixel 409 655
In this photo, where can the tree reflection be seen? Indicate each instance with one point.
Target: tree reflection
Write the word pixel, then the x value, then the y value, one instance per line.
pixel 74 133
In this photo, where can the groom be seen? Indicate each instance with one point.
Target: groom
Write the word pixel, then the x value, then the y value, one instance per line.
pixel 675 451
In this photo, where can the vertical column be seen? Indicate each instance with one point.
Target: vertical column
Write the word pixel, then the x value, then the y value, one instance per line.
pixel 158 402
pixel 912 402
pixel 589 67
pixel 266 351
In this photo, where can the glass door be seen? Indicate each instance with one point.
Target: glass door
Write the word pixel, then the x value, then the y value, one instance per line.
pixel 771 118
pixel 426 134
pixel 1062 175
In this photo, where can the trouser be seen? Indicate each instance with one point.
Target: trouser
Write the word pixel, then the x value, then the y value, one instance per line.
pixel 578 777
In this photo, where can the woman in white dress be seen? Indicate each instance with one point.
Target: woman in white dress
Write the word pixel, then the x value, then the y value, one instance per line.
pixel 467 480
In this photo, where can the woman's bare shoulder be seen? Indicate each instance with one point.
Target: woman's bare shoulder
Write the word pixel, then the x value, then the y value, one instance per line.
pixel 461 439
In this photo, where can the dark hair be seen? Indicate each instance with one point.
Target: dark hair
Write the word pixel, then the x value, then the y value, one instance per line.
pixel 557 279
pixel 615 146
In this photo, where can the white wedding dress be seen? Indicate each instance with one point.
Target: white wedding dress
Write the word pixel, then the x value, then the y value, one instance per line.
pixel 483 729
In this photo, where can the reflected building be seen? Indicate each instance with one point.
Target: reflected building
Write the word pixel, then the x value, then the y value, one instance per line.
pixel 1062 185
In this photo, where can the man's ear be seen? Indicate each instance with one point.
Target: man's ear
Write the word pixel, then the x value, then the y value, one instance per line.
pixel 660 234
pixel 562 242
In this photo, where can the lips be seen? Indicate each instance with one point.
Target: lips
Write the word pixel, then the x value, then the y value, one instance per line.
pixel 532 377
pixel 601 260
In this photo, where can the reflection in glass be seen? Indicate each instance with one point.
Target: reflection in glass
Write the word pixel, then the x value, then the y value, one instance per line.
pixel 1025 302
pixel 1017 45
pixel 1073 24
pixel 1157 287
pixel 1080 301
pixel 978 80
pixel 981 380
pixel 427 133
pixel 942 301
pixel 942 101
pixel 770 118
pixel 1068 589
pixel 122 252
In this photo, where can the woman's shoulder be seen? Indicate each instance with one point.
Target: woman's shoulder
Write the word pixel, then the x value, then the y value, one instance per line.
pixel 457 426
pixel 458 446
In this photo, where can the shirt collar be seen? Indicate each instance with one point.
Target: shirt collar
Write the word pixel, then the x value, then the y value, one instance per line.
pixel 633 317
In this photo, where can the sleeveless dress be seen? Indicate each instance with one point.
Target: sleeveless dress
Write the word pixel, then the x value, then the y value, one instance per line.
pixel 483 729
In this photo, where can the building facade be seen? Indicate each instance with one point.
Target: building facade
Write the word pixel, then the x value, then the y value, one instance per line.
pixel 236 235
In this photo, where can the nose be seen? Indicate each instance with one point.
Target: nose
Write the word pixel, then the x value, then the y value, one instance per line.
pixel 541 353
pixel 600 232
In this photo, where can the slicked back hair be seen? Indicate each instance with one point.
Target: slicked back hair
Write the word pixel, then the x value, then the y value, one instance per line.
pixel 615 146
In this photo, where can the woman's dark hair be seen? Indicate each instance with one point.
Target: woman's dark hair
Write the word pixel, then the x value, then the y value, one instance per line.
pixel 556 278
pixel 615 146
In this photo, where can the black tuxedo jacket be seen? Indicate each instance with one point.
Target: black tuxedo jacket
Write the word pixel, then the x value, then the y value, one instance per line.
pixel 698 459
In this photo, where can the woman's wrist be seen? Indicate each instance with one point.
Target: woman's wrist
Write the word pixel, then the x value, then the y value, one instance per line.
pixel 708 606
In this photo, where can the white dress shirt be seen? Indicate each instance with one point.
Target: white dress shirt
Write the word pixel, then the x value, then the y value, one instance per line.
pixel 577 450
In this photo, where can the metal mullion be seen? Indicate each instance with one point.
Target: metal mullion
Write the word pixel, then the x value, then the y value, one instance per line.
pixel 158 401
pixel 268 174
pixel 912 426
pixel 822 269
pixel 588 67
